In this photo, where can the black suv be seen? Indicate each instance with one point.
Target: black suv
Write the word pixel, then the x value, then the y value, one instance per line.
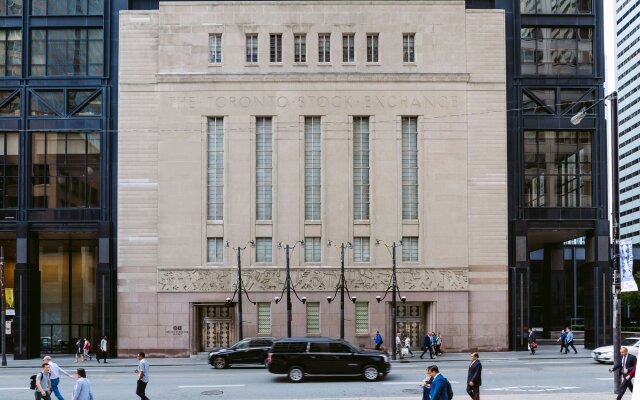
pixel 247 351
pixel 297 357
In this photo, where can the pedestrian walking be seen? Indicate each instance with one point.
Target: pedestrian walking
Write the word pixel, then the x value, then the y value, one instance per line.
pixel 103 350
pixel 563 340
pixel 531 342
pixel 426 385
pixel 569 342
pixel 79 345
pixel 54 376
pixel 82 389
pixel 474 377
pixel 427 346
pixel 407 345
pixel 626 366
pixel 43 383
pixel 377 340
pixel 86 348
pixel 399 345
pixel 438 346
pixel 143 376
pixel 439 385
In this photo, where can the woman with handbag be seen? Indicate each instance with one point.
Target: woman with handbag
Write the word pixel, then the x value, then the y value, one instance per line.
pixel 532 341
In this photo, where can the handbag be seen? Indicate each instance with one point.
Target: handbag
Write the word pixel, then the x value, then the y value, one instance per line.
pixel 533 345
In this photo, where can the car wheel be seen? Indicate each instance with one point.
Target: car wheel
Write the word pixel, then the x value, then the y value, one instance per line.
pixel 295 374
pixel 370 373
pixel 219 363
pixel 266 363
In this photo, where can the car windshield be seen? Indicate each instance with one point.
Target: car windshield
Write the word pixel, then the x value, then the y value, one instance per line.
pixel 241 344
pixel 629 342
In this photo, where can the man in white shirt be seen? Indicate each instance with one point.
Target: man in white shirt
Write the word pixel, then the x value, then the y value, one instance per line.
pixel 103 350
pixel 54 371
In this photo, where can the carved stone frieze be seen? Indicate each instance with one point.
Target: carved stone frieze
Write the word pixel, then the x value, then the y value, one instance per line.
pixel 306 279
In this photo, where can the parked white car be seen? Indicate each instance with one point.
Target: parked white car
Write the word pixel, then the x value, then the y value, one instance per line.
pixel 605 354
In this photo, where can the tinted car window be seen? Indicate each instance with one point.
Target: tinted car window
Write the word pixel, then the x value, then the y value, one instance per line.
pixel 260 343
pixel 241 345
pixel 320 348
pixel 340 348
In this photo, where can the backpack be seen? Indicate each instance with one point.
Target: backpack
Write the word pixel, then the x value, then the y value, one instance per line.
pixel 449 389
pixel 32 381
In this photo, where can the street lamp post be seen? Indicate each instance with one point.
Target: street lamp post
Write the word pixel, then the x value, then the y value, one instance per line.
pixel 288 287
pixel 342 286
pixel 393 286
pixel 615 215
pixel 2 308
pixel 239 286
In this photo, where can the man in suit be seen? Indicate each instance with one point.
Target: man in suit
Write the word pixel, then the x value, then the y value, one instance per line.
pixel 474 377
pixel 626 365
pixel 427 346
pixel 438 390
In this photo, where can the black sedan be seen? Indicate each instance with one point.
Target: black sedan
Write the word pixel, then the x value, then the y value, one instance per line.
pixel 246 351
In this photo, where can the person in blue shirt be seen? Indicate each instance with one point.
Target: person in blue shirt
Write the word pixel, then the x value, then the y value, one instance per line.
pixel 378 340
pixel 563 340
pixel 438 390
pixel 569 342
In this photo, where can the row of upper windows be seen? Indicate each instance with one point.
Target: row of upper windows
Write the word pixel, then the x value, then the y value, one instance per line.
pixel 52 7
pixel 361 249
pixel 300 48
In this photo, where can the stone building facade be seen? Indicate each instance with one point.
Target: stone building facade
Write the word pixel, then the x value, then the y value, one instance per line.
pixel 276 122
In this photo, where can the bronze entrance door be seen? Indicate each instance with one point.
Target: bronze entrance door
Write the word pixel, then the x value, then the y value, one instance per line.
pixel 216 327
pixel 409 321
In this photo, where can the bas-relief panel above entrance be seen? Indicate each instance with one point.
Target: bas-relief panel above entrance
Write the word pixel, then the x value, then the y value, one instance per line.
pixel 321 279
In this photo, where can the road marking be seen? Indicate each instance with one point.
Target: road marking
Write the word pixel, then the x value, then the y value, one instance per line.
pixel 605 379
pixel 533 388
pixel 407 383
pixel 14 388
pixel 548 362
pixel 208 386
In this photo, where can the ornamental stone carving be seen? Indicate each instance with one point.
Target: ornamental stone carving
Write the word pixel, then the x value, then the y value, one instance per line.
pixel 308 280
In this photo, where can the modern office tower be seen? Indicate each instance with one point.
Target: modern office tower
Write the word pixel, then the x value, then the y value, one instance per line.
pixel 557 171
pixel 627 55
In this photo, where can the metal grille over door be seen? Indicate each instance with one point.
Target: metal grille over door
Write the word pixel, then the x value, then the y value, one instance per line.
pixel 409 321
pixel 216 327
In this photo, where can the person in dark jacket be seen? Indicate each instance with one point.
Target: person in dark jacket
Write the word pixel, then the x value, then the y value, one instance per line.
pixel 427 346
pixel 627 364
pixel 474 377
pixel 532 341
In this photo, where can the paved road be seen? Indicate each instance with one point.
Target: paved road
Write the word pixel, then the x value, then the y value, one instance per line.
pixel 504 377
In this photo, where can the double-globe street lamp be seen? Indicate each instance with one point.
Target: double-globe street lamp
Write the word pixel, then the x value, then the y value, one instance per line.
pixel 395 291
pixel 615 215
pixel 342 286
pixel 288 286
pixel 239 290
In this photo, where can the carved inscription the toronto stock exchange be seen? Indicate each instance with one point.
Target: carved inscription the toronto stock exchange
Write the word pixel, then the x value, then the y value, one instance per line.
pixel 321 279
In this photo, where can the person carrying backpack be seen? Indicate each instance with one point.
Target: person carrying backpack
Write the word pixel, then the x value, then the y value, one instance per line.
pixel 42 383
pixel 440 386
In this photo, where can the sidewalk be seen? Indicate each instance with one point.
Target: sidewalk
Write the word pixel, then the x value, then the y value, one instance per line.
pixel 68 360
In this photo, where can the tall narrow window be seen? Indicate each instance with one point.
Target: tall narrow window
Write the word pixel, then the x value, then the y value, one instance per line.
pixel 348 49
pixel 275 47
pixel 361 249
pixel 9 170
pixel 10 52
pixel 263 168
pixel 312 168
pixel 362 317
pixel 264 318
pixel 252 48
pixel 408 48
pixel 410 249
pixel 313 318
pixel 312 249
pixel 361 167
pixel 300 48
pixel 215 48
pixel 324 48
pixel 214 250
pixel 263 250
pixel 372 48
pixel 409 168
pixel 215 169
